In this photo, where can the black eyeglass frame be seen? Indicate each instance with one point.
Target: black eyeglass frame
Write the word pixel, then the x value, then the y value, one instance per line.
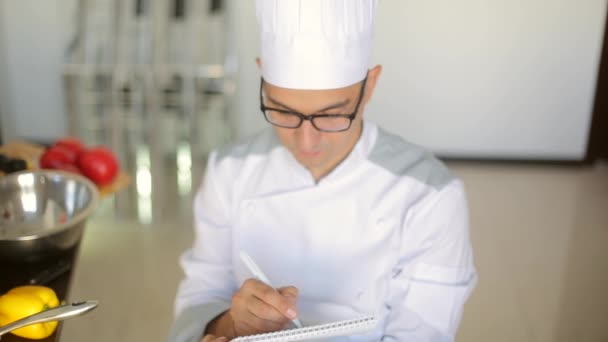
pixel 311 118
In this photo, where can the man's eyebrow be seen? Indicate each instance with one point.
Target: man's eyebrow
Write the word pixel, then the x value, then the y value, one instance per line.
pixel 332 106
pixel 336 105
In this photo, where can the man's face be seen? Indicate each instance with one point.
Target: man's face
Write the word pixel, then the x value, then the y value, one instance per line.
pixel 318 151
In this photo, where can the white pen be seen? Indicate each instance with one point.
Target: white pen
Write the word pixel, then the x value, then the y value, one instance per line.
pixel 257 272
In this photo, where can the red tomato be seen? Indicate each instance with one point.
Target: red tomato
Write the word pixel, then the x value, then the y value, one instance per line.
pixel 70 154
pixel 72 144
pixel 56 156
pixel 99 165
pixel 69 168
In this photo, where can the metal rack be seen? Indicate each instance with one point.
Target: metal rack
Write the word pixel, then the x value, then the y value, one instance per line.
pixel 148 78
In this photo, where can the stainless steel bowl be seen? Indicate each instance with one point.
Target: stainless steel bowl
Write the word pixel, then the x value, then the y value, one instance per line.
pixel 43 213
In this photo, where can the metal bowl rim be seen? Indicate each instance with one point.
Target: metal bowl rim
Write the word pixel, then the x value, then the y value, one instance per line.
pixel 74 221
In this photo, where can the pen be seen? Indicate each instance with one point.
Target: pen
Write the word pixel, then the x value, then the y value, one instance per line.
pixel 257 272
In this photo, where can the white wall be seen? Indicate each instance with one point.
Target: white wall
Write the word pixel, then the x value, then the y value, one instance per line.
pixel 34 36
pixel 7 122
pixel 490 78
pixel 244 42
pixel 472 78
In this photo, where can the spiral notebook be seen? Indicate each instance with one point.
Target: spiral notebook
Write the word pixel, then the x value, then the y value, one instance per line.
pixel 341 328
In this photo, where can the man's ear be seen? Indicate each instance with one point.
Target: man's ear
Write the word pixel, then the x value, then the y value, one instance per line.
pixel 372 79
pixel 258 61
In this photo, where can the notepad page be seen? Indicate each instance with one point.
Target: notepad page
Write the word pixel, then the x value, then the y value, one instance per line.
pixel 341 328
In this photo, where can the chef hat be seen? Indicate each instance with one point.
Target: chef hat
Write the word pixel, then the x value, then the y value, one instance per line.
pixel 315 44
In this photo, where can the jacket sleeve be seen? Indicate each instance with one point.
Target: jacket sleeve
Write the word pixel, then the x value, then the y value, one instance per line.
pixel 434 273
pixel 207 288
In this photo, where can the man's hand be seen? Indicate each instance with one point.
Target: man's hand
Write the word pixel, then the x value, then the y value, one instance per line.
pixel 256 308
pixel 213 338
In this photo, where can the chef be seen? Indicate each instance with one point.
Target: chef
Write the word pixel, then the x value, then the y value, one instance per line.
pixel 344 218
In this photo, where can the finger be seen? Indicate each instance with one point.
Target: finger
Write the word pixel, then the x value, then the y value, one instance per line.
pixel 272 297
pixel 252 285
pixel 250 324
pixel 291 292
pixel 213 338
pixel 264 325
pixel 265 311
pixel 208 338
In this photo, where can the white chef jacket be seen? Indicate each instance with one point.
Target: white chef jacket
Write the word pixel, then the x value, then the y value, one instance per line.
pixel 385 233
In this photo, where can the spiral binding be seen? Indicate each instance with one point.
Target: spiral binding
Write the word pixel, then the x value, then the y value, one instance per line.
pixel 341 328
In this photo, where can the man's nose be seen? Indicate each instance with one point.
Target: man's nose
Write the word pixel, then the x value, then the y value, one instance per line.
pixel 308 136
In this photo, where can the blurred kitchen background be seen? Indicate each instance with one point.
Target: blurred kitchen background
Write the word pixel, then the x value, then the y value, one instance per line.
pixel 512 94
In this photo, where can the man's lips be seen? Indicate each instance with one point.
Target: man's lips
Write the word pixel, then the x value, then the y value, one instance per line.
pixel 309 154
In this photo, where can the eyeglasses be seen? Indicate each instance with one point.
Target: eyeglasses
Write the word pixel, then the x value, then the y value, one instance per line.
pixel 322 122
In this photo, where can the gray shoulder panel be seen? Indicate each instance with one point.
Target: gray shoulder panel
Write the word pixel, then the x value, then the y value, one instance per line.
pixel 261 143
pixel 401 158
